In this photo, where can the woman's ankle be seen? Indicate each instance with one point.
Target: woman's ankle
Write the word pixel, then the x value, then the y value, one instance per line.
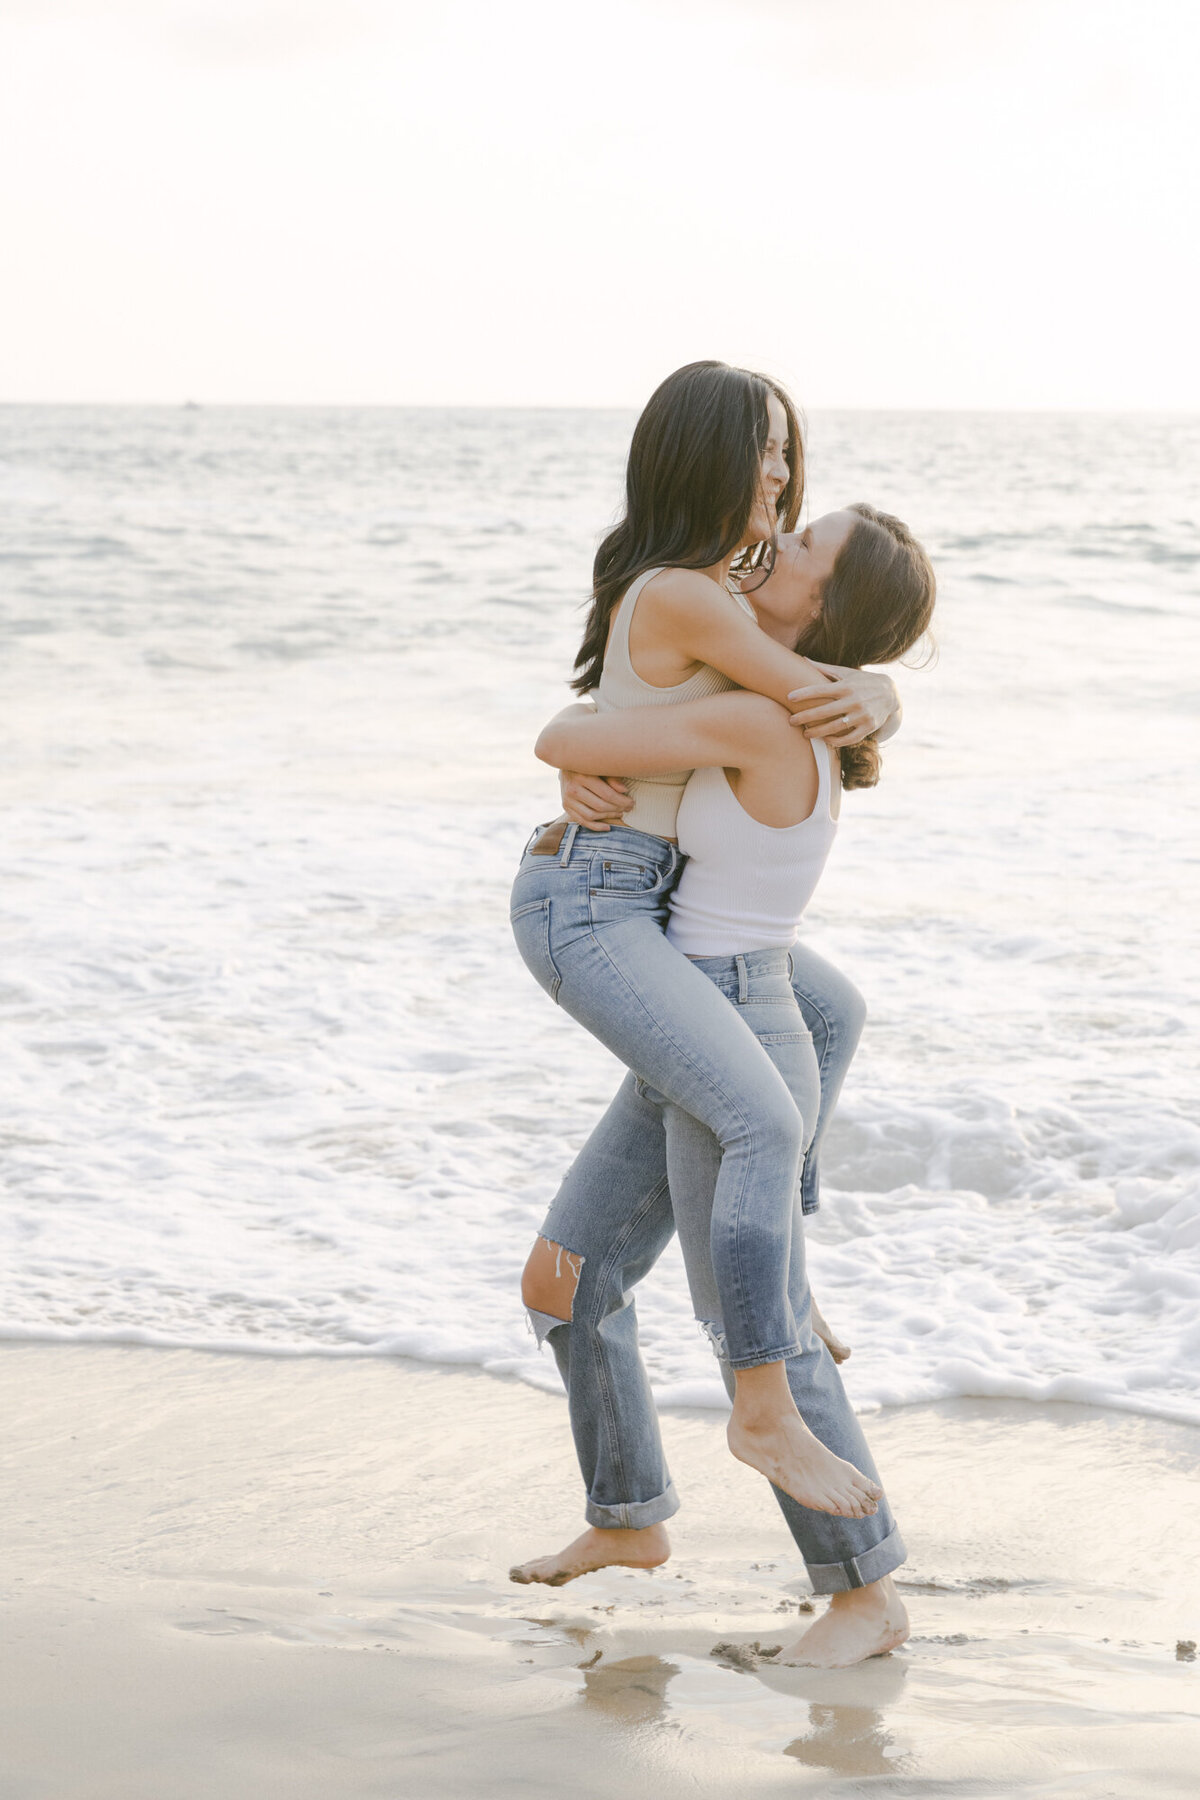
pixel 762 1395
pixel 632 1533
pixel 875 1594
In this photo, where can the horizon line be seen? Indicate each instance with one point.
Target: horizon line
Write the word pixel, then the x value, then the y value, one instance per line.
pixel 189 404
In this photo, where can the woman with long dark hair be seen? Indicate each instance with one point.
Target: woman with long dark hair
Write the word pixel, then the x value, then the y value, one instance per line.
pixel 715 466
pixel 756 823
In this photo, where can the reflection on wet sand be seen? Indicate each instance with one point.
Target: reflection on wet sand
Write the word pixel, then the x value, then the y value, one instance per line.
pixel 848 1739
pixel 847 1730
pixel 634 1690
pixel 847 1715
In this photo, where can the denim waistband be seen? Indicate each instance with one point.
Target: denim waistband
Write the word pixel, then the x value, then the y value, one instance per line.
pixel 749 969
pixel 578 843
pixel 757 962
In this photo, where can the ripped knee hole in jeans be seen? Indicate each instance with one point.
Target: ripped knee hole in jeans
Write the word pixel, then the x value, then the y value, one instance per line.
pixel 549 1285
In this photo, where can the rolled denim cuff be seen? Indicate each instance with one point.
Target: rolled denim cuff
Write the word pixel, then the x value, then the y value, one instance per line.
pixel 859 1571
pixel 633 1515
pixel 757 1358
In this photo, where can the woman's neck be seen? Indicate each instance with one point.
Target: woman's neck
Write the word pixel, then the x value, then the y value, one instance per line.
pixel 719 571
pixel 784 631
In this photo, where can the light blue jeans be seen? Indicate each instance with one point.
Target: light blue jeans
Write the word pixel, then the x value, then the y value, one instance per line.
pixel 588 919
pixel 614 1212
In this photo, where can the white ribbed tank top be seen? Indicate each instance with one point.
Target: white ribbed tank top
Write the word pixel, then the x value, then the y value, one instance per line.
pixel 655 797
pixel 745 885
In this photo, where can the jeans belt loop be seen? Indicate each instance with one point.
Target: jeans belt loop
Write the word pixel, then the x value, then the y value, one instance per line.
pixel 743 982
pixel 568 845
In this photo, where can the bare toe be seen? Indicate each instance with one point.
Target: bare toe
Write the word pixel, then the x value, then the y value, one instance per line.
pixel 549 1571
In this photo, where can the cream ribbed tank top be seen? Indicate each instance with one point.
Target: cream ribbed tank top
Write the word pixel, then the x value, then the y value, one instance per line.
pixel 744 885
pixel 655 797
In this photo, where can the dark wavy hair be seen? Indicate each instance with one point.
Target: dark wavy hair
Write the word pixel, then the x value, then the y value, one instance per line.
pixel 876 603
pixel 691 486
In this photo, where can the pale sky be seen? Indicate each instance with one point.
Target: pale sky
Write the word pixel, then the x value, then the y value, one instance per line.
pixel 888 203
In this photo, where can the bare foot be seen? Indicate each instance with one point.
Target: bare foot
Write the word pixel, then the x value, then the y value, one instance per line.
pixel 597 1548
pixel 861 1622
pixel 781 1447
pixel 828 1335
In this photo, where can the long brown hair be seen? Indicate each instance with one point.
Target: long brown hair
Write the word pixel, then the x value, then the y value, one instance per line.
pixel 692 482
pixel 876 603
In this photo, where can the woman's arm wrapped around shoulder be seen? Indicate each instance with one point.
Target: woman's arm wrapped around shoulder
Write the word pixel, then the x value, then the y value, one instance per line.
pixel 699 619
pixel 717 732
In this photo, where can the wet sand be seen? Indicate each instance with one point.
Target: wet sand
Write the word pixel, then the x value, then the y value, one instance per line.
pixel 267 1577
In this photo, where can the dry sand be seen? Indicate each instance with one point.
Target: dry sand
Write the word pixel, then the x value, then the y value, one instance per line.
pixel 249 1578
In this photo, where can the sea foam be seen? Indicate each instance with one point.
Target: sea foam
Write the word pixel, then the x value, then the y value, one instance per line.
pixel 277 1081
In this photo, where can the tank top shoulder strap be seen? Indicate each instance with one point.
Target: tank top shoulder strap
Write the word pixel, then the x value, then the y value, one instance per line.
pixel 625 606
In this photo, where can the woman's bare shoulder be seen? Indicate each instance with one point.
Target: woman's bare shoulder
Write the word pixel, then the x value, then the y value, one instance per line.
pixel 684 590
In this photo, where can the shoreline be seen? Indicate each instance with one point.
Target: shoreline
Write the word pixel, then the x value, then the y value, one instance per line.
pixel 1064 1390
pixel 288 1576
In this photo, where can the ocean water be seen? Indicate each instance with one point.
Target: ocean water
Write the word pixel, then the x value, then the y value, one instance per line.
pixel 275 1080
